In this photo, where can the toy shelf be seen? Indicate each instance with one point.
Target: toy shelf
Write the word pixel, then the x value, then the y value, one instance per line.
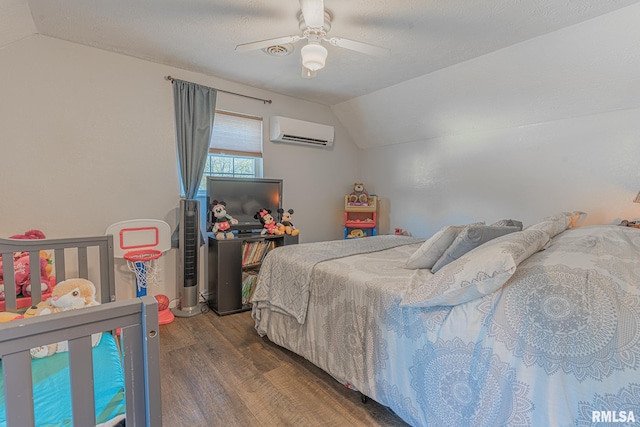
pixel 360 219
pixel 371 206
pixel 351 221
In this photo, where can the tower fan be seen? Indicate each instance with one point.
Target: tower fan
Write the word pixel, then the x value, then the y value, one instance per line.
pixel 188 256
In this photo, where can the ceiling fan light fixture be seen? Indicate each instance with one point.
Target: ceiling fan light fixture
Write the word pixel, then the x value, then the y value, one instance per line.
pixel 314 56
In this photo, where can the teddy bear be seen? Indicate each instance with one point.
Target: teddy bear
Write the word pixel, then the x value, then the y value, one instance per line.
pixel 67 295
pixel 269 224
pixel 359 194
pixel 221 220
pixel 285 220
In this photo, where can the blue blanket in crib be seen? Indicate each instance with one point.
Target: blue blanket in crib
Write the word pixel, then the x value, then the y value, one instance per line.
pixel 52 389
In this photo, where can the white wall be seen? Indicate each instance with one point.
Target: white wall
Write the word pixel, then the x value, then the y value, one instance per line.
pixel 550 124
pixel 547 125
pixel 88 140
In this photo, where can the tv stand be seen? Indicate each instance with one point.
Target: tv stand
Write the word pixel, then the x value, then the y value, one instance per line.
pixel 229 260
pixel 247 233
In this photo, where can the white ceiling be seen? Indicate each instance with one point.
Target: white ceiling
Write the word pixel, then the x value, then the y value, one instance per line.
pixel 200 35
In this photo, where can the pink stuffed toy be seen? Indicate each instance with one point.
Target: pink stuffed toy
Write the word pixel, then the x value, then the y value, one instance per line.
pixel 23 276
pixel 21 267
pixel 18 287
pixel 30 235
pixel 21 271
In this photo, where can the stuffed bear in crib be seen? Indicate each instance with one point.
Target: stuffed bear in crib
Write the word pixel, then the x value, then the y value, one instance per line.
pixel 67 295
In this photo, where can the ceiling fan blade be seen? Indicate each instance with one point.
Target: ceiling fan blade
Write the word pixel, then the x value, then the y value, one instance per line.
pixel 307 73
pixel 365 48
pixel 245 47
pixel 313 12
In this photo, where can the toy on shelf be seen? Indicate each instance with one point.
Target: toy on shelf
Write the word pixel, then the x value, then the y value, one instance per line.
pixel 359 195
pixel 269 224
pixel 356 234
pixel 221 220
pixel 285 220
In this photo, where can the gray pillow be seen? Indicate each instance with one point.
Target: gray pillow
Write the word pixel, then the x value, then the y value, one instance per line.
pixel 508 223
pixel 470 238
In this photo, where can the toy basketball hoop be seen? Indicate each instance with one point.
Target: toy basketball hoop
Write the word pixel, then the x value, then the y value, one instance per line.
pixel 144 263
pixel 141 242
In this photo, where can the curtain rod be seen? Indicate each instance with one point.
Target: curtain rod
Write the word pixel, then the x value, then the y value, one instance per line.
pixel 266 101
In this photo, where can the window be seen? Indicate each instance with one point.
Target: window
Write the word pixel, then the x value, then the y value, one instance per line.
pixel 235 149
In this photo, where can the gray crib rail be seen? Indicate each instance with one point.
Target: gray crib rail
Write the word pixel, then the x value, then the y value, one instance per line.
pixel 106 287
pixel 139 342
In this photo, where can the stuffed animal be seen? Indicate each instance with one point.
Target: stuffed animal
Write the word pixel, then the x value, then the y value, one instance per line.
pixel 30 235
pixel 359 194
pixel 49 260
pixel 269 225
pixel 7 316
pixel 21 266
pixel 285 220
pixel 221 220
pixel 356 234
pixel 70 294
pixel 22 274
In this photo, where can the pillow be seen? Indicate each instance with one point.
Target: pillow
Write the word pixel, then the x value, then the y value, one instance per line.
pixel 556 224
pixel 575 218
pixel 470 238
pixel 477 273
pixel 508 223
pixel 433 248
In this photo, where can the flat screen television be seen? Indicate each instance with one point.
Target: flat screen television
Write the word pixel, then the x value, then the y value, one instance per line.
pixel 244 198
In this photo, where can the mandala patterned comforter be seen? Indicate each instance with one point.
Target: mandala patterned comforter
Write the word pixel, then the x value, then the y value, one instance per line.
pixel 558 344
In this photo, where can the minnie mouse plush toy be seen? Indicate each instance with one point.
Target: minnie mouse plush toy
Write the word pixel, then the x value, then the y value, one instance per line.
pixel 270 226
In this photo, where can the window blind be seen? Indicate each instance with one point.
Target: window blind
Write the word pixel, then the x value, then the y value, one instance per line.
pixel 236 134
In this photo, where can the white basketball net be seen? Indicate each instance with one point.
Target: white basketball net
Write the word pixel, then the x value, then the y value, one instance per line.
pixel 147 272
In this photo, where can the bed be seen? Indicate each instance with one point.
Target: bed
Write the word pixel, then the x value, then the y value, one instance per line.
pixel 105 385
pixel 540 326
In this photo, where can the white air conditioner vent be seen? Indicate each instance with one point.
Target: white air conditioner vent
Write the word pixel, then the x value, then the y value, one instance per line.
pixel 294 131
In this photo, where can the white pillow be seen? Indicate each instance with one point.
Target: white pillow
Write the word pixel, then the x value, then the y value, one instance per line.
pixel 575 218
pixel 433 248
pixel 556 224
pixel 477 273
pixel 468 239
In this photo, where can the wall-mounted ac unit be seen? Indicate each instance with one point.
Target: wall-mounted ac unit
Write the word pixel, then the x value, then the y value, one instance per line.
pixel 295 131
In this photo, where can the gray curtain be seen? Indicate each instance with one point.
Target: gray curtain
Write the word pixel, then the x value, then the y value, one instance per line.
pixel 195 107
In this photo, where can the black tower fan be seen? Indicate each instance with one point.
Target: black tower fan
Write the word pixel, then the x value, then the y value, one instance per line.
pixel 188 259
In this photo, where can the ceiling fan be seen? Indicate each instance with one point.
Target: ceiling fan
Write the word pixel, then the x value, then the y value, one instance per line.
pixel 315 23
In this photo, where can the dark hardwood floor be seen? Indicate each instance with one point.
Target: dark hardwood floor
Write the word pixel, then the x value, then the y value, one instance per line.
pixel 217 371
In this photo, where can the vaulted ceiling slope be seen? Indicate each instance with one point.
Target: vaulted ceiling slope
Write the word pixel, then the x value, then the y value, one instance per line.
pixel 201 35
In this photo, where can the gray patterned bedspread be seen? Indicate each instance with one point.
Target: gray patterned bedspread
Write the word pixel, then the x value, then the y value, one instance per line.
pixel 557 345
pixel 286 272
